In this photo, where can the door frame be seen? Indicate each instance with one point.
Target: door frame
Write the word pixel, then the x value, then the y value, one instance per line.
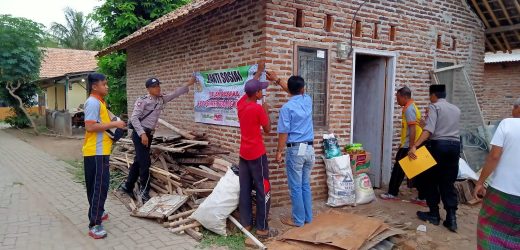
pixel 389 119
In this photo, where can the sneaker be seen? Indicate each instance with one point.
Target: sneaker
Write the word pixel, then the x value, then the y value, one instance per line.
pixel 97 232
pixel 105 216
pixel 387 196
pixel 419 202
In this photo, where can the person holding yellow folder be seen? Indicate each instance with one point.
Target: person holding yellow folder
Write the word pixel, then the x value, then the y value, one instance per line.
pixel 441 134
pixel 410 132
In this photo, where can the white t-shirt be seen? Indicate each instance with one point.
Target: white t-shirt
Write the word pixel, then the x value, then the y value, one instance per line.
pixel 506 177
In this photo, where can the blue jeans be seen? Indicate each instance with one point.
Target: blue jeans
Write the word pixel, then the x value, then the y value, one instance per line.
pixel 299 178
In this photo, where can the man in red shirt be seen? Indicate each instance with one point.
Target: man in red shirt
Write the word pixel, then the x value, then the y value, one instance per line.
pixel 254 171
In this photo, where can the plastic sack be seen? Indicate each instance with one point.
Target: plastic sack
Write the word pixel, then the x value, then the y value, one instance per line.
pixel 340 182
pixel 214 211
pixel 465 172
pixel 364 191
pixel 331 146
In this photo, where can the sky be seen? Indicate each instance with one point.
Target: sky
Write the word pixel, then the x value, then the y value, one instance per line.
pixel 46 11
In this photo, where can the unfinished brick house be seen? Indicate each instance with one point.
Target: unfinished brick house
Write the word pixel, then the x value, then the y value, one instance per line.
pixel 353 54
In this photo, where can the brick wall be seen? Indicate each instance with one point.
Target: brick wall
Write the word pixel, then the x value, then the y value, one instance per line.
pixel 418 25
pixel 244 31
pixel 500 88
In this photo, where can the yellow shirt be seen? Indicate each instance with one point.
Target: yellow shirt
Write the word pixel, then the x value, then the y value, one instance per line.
pixel 410 116
pixel 96 143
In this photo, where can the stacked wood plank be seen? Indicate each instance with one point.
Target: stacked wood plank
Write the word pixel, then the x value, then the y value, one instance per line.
pixel 185 168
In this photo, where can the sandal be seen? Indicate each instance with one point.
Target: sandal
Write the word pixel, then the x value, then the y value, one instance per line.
pixel 270 234
pixel 288 221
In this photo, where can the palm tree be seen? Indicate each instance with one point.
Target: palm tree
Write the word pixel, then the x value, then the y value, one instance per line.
pixel 80 31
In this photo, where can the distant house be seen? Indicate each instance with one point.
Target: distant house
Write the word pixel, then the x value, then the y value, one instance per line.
pixel 63 77
pixel 502 84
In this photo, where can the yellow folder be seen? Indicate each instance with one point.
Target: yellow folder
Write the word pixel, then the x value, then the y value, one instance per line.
pixel 423 162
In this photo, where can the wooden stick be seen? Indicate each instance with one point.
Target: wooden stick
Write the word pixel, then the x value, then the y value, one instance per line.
pixel 182 228
pixel 247 233
pixel 179 131
pixel 165 173
pixel 200 172
pixel 181 222
pixel 127 161
pixel 173 150
pixel 198 182
pixel 181 214
pixel 203 143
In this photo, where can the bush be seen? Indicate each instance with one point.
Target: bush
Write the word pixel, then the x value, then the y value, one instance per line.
pixel 18 121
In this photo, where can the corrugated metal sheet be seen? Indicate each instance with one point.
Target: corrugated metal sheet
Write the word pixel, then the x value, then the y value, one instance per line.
pixel 502 57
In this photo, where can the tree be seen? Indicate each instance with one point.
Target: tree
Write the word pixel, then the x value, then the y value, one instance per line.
pixel 119 19
pixel 20 60
pixel 79 32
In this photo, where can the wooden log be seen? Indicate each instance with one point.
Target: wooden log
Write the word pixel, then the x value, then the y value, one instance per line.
pixel 181 214
pixel 180 222
pixel 167 149
pixel 165 179
pixel 203 143
pixel 182 228
pixel 165 173
pixel 194 234
pixel 219 167
pixel 195 161
pixel 200 172
pixel 179 131
pixel 222 162
pixel 156 187
pixel 209 170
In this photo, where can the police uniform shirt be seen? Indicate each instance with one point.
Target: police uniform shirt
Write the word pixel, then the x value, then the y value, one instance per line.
pixel 443 121
pixel 143 105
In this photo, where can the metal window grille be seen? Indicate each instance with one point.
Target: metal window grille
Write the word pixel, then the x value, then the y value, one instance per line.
pixel 312 66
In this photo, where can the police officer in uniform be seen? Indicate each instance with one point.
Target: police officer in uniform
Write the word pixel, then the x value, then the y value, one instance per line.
pixel 146 113
pixel 441 134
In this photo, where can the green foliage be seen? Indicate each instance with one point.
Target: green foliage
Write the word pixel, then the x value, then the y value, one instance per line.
pixel 80 31
pixel 119 19
pixel 234 241
pixel 19 120
pixel 20 60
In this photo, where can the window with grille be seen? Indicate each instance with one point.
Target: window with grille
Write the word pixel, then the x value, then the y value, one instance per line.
pixel 312 66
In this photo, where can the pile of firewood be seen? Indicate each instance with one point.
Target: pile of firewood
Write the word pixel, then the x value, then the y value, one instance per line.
pixel 185 168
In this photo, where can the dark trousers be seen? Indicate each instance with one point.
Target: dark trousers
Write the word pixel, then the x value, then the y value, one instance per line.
pixel 254 173
pixel 398 175
pixel 141 166
pixel 439 180
pixel 97 178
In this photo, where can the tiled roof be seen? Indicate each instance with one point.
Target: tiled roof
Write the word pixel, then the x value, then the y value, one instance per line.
pixel 172 19
pixel 58 62
pixel 502 57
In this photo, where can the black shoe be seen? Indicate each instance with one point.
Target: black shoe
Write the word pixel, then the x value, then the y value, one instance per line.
pixel 127 191
pixel 451 221
pixel 434 219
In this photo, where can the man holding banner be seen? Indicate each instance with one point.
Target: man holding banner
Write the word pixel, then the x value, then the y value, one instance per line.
pixel 254 171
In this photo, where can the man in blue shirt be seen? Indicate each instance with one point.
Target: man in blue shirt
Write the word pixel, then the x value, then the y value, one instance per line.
pixel 296 136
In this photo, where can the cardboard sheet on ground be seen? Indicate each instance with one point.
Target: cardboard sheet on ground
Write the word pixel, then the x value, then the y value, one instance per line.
pixel 423 162
pixel 342 230
pixel 161 206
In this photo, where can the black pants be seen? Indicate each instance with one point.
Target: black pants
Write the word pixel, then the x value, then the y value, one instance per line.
pixel 141 166
pixel 398 175
pixel 439 180
pixel 254 173
pixel 97 180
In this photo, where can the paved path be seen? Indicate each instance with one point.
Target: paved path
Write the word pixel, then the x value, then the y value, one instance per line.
pixel 42 208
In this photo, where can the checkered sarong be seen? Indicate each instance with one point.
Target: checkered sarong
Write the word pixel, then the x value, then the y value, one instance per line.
pixel 499 221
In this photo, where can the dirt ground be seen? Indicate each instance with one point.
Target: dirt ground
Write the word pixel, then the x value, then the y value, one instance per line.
pixel 395 213
pixel 401 214
pixel 64 149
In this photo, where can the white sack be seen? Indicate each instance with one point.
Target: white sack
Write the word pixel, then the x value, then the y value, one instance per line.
pixel 213 212
pixel 465 172
pixel 340 181
pixel 364 191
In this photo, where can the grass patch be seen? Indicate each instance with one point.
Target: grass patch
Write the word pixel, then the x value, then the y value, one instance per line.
pixel 42 129
pixel 78 173
pixel 234 241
